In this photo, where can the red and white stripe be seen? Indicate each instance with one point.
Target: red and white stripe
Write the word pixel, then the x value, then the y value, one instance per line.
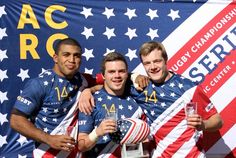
pixel 170 130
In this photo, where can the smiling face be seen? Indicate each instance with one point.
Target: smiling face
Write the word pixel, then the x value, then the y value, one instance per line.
pixel 155 66
pixel 115 76
pixel 67 60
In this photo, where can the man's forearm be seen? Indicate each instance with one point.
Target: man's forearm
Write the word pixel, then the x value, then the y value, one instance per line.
pixel 87 141
pixel 213 123
pixel 96 88
pixel 22 125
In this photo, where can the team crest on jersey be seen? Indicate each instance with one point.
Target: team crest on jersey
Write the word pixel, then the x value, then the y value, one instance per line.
pixel 209 107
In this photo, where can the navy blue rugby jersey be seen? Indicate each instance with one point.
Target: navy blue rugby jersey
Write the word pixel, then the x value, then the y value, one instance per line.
pixel 164 106
pixel 49 98
pixel 125 105
pixel 155 99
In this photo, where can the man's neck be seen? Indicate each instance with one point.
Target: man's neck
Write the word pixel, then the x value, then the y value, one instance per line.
pixel 165 78
pixel 114 93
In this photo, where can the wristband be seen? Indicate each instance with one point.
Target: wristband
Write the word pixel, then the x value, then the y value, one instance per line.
pixel 93 135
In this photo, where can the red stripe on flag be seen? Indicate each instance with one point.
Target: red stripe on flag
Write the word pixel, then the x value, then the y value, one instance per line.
pixel 50 153
pixel 198 36
pixel 196 150
pixel 228 115
pixel 116 153
pixel 173 147
pixel 74 152
pixel 75 119
pixel 165 129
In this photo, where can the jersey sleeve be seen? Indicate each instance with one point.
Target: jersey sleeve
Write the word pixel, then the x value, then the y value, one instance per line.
pixel 30 99
pixel 86 123
pixel 205 107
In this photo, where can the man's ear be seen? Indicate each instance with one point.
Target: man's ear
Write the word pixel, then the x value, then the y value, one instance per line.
pixel 55 58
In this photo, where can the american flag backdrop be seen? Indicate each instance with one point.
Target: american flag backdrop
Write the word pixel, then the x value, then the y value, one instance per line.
pixel 200 38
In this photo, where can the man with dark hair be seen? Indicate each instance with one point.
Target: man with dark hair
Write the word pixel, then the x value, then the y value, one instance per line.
pixel 51 99
pixel 66 41
pixel 112 98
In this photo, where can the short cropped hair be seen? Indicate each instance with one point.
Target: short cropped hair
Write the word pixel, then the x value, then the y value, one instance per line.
pixel 148 47
pixel 113 56
pixel 67 41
